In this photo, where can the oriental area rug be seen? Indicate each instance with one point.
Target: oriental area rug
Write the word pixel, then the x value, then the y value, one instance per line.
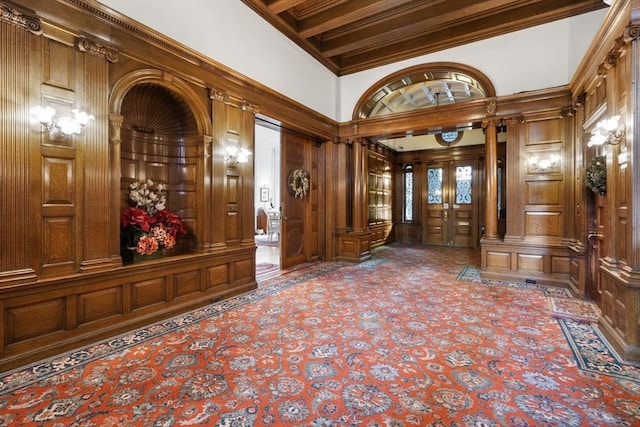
pixel 408 338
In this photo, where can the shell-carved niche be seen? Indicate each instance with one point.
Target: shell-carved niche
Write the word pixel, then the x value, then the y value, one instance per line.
pixel 160 143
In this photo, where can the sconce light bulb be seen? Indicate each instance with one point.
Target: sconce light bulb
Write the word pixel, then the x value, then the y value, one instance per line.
pixel 82 117
pixel 544 164
pixel 597 138
pixel 44 115
pixel 533 160
pixel 232 150
pixel 610 125
pixel 243 155
pixel 69 126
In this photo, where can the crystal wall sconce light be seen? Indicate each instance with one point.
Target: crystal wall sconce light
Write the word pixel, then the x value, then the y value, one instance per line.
pixel 65 125
pixel 607 131
pixel 544 163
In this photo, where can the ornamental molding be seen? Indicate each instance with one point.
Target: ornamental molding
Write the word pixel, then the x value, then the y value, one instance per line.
pixel 218 95
pixel 632 32
pixel 247 106
pixel 16 17
pixel 98 49
pixel 620 46
pixel 491 106
pixel 491 122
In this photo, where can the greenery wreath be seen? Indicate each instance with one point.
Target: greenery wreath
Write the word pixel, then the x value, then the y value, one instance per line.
pixel 596 176
pixel 299 183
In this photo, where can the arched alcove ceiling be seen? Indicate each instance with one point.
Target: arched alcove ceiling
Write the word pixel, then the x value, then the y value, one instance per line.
pixel 153 109
pixel 423 86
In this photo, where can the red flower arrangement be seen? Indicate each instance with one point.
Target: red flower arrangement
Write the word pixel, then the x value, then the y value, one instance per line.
pixel 148 226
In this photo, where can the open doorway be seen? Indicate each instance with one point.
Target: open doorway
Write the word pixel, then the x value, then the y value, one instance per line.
pixel 267 197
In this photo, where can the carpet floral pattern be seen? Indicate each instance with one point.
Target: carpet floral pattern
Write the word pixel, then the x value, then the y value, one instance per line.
pixel 395 341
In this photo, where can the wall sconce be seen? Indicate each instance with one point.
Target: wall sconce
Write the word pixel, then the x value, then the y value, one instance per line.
pixel 607 131
pixel 235 156
pixel 544 164
pixel 66 125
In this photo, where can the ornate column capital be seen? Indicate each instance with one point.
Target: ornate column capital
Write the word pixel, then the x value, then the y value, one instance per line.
pixel 21 19
pixel 98 49
pixel 218 95
pixel 494 122
pixel 247 106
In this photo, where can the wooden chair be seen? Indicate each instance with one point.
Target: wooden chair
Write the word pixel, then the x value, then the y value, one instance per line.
pixel 261 221
pixel 273 224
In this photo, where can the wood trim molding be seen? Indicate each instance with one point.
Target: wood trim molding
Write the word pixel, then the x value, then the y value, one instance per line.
pixel 448 116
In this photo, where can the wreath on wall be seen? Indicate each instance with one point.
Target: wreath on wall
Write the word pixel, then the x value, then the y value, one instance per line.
pixel 596 176
pixel 299 183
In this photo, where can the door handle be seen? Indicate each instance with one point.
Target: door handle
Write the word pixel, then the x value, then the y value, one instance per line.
pixel 445 215
pixel 591 236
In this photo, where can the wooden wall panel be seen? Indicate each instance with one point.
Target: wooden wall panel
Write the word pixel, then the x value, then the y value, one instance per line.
pixel 149 292
pixel 218 276
pixel 543 224
pixel 543 132
pixel 560 265
pixel 498 260
pixel 530 263
pixel 156 171
pixel 233 203
pixel 99 304
pixel 543 193
pixel 58 66
pixel 187 283
pixel 33 320
pixel 58 245
pixel 59 181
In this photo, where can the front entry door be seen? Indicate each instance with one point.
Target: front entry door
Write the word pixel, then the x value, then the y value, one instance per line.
pixel 451 216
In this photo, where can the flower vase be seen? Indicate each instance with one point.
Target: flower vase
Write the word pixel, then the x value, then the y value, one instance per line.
pixel 130 255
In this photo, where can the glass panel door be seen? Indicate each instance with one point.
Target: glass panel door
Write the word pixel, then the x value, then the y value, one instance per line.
pixel 451 216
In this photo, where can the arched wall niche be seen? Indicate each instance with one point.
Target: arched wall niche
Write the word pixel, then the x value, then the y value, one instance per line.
pixel 423 86
pixel 163 128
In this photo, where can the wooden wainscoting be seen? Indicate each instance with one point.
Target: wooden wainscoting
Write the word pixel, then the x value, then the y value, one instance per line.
pixel 381 234
pixel 549 265
pixel 53 316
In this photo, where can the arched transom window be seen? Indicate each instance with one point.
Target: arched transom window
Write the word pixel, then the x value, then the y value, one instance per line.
pixel 423 86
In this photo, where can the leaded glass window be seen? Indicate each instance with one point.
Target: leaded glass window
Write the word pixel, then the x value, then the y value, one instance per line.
pixel 408 195
pixel 463 185
pixel 434 185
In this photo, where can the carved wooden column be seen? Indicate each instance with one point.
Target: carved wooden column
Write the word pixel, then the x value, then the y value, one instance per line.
pixel 97 247
pixel 247 140
pixel 336 190
pixel 491 179
pixel 632 270
pixel 355 243
pixel 359 201
pixel 18 133
pixel 216 229
pixel 115 144
pixel 203 235
pixel 515 187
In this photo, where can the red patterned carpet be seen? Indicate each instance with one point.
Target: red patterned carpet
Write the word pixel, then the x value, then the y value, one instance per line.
pixel 395 341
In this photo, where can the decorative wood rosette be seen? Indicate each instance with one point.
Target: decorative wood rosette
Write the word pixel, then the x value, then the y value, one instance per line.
pixel 299 183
